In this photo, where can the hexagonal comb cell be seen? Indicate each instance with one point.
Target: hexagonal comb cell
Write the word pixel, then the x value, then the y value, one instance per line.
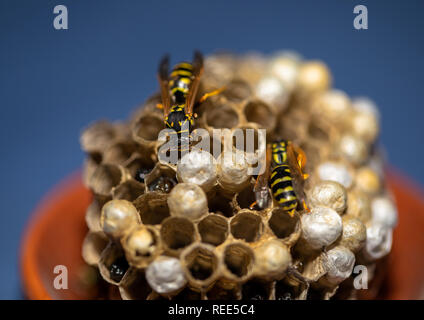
pixel 314 153
pixel 149 105
pixel 177 233
pixel 285 291
pixel 213 229
pixel 152 207
pixel 112 264
pixel 282 224
pixel 134 286
pixel 238 259
pixel 105 178
pixel 256 289
pixel 128 190
pixel 245 198
pixel 92 247
pixel 206 141
pixel 98 136
pixel 319 131
pixel 119 153
pixel 247 139
pixel 246 226
pixel 221 116
pixel 237 90
pixel 146 128
pixel 139 166
pixel 289 289
pixel 208 244
pixel 219 70
pixel 222 291
pixel 90 165
pixel 161 179
pixel 187 294
pixel 142 245
pixel 315 293
pixel 92 215
pixel 219 205
pixel 201 264
pixel 261 113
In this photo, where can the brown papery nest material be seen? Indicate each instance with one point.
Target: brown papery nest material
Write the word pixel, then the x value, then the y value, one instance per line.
pixel 150 244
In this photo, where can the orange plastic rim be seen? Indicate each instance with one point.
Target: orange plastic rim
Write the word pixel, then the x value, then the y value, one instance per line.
pixel 70 192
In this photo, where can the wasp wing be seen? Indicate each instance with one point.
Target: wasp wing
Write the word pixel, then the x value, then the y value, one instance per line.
pixel 194 87
pixel 163 73
pixel 261 189
pixel 293 153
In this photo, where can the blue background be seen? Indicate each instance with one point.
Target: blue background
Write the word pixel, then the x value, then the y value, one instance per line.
pixel 53 83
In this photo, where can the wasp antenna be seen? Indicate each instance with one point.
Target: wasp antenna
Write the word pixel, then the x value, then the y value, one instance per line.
pixel 164 66
pixel 197 53
pixel 198 59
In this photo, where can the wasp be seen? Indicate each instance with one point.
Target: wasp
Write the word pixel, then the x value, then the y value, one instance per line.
pixel 284 176
pixel 178 91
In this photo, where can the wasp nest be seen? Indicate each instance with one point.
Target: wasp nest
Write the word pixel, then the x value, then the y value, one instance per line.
pixel 187 230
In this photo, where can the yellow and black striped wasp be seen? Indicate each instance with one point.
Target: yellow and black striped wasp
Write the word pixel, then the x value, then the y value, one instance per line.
pixel 179 91
pixel 284 176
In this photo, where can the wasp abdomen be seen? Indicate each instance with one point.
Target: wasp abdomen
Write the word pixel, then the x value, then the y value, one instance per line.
pixel 282 187
pixel 180 80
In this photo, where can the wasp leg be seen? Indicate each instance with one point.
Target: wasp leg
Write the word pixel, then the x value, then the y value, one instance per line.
pixel 291 213
pixel 305 207
pixel 207 95
pixel 301 162
pixel 252 205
